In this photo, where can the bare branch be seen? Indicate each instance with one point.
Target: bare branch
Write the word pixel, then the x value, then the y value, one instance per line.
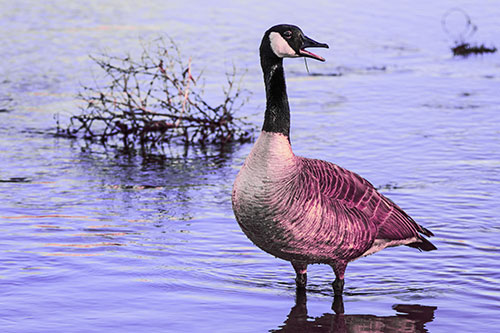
pixel 156 100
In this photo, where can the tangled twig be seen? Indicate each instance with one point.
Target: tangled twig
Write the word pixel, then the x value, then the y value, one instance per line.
pixel 156 100
pixel 461 47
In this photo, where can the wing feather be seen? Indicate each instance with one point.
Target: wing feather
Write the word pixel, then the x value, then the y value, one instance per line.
pixel 356 192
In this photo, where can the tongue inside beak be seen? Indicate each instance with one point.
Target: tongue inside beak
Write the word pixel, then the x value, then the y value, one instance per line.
pixel 308 42
pixel 308 54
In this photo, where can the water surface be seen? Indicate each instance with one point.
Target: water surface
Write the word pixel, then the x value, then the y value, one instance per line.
pixel 93 240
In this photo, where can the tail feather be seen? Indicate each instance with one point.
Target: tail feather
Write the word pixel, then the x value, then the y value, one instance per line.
pixel 423 245
pixel 426 231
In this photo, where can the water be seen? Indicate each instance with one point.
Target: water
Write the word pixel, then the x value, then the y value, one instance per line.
pixel 92 240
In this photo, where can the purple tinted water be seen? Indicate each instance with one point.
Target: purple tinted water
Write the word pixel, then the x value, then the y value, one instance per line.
pixel 93 240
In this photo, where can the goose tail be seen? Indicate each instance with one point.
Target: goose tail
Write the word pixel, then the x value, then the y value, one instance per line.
pixel 423 244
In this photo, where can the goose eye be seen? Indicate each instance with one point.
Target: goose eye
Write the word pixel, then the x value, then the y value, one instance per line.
pixel 287 34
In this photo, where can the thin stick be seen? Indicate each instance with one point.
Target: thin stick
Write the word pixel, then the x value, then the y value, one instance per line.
pixel 186 93
pixel 305 62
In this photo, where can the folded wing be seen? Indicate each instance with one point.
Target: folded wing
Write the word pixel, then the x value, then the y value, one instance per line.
pixel 357 193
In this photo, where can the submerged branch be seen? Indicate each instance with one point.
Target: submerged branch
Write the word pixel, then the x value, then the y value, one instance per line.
pixel 156 100
pixel 460 35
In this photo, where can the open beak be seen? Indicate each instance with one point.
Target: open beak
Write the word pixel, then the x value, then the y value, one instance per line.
pixel 308 42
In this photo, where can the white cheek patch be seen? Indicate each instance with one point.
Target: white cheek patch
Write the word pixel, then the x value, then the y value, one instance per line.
pixel 280 46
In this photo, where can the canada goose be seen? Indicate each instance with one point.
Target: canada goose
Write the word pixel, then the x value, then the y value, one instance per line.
pixel 310 211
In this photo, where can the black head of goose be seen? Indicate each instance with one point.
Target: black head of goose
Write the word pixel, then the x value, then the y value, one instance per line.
pixel 281 41
pixel 309 211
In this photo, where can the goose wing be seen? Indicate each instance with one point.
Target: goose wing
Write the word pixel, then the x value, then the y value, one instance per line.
pixel 359 194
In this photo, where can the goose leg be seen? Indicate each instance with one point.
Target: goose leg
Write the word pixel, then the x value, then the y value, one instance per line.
pixel 301 271
pixel 339 270
pixel 338 304
pixel 338 286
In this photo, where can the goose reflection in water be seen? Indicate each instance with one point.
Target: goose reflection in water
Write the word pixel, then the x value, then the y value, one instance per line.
pixel 410 318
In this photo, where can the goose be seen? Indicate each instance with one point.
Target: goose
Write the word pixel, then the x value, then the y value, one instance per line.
pixel 309 211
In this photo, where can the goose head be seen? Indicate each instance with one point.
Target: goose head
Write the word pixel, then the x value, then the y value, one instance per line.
pixel 287 41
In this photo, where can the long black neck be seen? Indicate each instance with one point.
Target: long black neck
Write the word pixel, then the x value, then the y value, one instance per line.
pixel 277 116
